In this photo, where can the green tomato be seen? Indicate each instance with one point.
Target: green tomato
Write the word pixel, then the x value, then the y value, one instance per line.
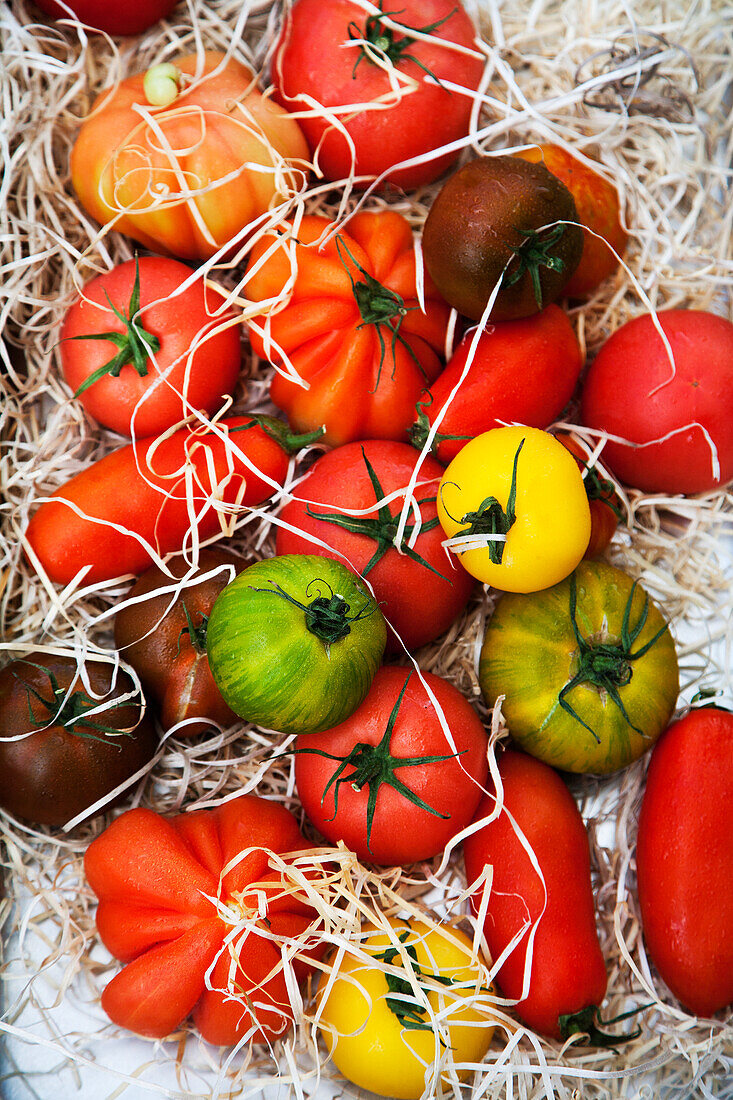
pixel 294 642
pixel 587 668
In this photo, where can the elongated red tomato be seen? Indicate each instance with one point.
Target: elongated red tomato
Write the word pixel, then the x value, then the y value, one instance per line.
pixel 521 372
pixel 156 490
pixel 684 859
pixel 158 881
pixel 353 328
pixel 553 904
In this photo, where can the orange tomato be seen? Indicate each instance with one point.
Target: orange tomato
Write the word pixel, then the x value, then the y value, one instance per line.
pixel 178 177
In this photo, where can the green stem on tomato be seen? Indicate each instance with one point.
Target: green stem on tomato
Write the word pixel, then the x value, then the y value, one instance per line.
pixel 490 518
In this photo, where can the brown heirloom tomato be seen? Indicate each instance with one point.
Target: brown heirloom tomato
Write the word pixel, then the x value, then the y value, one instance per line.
pixel 501 218
pixel 83 743
pixel 163 637
pixel 596 201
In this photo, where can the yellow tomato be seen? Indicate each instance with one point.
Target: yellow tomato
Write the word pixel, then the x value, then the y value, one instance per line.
pixel 391 1030
pixel 514 508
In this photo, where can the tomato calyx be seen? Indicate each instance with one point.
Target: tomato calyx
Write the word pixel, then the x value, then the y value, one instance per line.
pixel 373 765
pixel 382 528
pixel 325 616
pixel 67 710
pixel 280 432
pixel 410 1014
pixel 535 252
pixel 136 346
pixel 607 664
pixel 196 633
pixel 601 489
pixel 422 427
pixel 378 306
pixel 585 1022
pixel 378 37
pixel 490 520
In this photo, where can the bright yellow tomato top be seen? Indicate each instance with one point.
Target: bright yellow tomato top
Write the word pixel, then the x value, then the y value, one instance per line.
pixel 514 507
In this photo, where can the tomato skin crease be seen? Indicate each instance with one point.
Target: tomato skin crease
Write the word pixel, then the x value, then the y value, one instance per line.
pixel 684 859
pixel 568 971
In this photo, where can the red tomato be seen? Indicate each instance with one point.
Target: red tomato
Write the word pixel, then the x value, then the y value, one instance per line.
pixel 130 17
pixel 568 974
pixel 596 201
pixel 168 354
pixel 417 574
pixel 633 391
pixel 388 781
pixel 522 372
pixel 603 500
pixel 408 111
pixel 353 327
pixel 684 859
pixel 158 880
pixel 143 489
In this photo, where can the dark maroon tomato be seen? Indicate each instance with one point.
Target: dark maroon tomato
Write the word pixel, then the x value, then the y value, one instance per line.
pixel 112 16
pixel 163 637
pixel 496 218
pixel 82 743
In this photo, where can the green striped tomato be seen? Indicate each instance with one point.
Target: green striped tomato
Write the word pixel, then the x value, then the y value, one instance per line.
pixel 588 669
pixel 294 642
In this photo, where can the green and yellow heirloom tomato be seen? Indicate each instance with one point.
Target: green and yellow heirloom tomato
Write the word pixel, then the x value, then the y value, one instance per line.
pixel 587 668
pixel 294 642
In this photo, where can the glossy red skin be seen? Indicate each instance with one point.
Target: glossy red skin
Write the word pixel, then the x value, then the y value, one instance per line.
pixel 401 832
pixel 522 372
pixel 684 859
pixel 603 519
pixel 114 489
pixel 597 203
pixel 617 397
pixel 568 972
pixel 153 636
pixel 155 878
pixel 56 773
pixel 130 17
pixel 311 61
pixel 180 321
pixel 339 479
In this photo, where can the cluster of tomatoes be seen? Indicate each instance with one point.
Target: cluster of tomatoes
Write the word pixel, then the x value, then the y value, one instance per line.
pixel 435 476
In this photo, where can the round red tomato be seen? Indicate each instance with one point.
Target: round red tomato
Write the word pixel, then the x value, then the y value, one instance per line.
pixel 165 351
pixel 130 17
pixel 334 53
pixel 420 590
pixel 388 781
pixel 674 423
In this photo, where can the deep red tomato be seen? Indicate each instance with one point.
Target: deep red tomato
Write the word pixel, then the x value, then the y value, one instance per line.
pixel 83 741
pixel 158 880
pixel 676 423
pixel 130 17
pixel 388 781
pixel 138 500
pixel 522 372
pixel 684 859
pixel 353 327
pixel 335 53
pixel 597 203
pixel 554 905
pixel 603 500
pixel 412 575
pixel 167 354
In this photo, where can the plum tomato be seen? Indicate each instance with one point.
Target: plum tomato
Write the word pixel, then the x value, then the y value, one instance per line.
pixel 502 220
pixel 672 424
pixel 160 630
pixel 86 732
pixel 597 203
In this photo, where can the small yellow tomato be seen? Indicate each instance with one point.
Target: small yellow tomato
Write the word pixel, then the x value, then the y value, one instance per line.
pixel 393 1025
pixel 514 508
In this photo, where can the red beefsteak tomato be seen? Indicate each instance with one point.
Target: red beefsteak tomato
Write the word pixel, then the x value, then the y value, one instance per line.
pixel 406 573
pixel 389 781
pixel 375 94
pixel 197 910
pixel 353 328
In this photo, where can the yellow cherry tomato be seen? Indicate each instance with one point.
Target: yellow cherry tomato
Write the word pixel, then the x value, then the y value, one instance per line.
pixel 514 508
pixel 394 1025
